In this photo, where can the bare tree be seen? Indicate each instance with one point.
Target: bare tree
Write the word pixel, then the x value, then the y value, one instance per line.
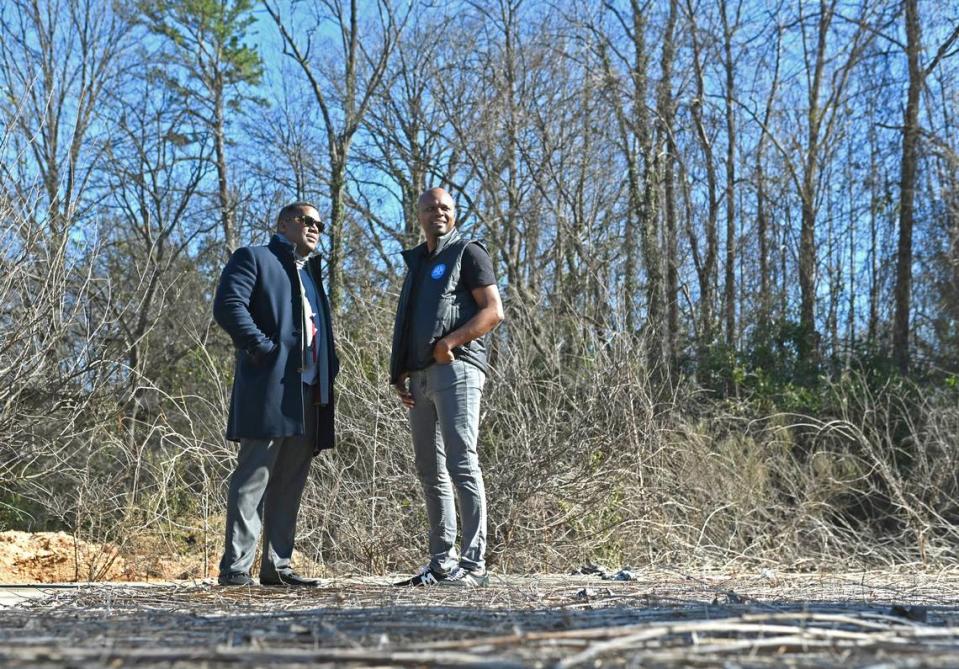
pixel 59 59
pixel 825 102
pixel 730 27
pixel 157 163
pixel 212 70
pixel 637 143
pixel 762 206
pixel 597 148
pixel 405 127
pixel 909 165
pixel 488 95
pixel 285 161
pixel 945 248
pixel 488 109
pixel 665 118
pixel 704 259
pixel 344 97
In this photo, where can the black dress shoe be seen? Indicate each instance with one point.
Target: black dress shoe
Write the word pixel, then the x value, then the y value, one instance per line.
pixel 235 578
pixel 289 578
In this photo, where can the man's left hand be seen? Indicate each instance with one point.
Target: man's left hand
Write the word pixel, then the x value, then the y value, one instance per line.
pixel 443 352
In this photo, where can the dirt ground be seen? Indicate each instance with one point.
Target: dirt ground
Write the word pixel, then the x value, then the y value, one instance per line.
pixel 51 557
pixel 660 618
pixel 57 557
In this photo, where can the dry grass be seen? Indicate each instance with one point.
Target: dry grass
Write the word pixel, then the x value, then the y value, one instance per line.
pixel 588 454
pixel 662 619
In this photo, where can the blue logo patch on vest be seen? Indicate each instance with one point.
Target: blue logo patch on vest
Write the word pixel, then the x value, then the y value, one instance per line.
pixel 438 271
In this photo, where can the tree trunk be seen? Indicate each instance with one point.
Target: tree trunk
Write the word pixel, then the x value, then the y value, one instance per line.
pixel 873 325
pixel 907 184
pixel 808 336
pixel 762 218
pixel 630 269
pixel 665 113
pixel 706 266
pixel 729 297
pixel 222 177
pixel 335 261
pixel 646 192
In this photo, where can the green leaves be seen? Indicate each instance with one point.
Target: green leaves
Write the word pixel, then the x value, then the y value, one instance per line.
pixel 207 39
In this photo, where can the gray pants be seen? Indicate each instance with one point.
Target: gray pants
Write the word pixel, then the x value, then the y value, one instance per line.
pixel 265 492
pixel 445 425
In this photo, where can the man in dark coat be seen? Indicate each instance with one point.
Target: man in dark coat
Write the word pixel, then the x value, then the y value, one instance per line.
pixel 271 302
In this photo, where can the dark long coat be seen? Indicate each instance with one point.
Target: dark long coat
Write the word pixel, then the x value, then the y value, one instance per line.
pixel 258 304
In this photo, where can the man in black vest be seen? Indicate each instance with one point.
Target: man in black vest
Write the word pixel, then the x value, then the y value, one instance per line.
pixel 438 366
pixel 271 302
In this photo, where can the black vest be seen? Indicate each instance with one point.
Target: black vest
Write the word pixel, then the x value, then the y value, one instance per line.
pixel 442 303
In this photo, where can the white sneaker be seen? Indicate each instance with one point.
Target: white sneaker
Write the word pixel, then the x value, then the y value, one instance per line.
pixel 465 578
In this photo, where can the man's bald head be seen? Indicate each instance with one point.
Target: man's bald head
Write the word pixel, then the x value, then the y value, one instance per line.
pixel 435 193
pixel 436 213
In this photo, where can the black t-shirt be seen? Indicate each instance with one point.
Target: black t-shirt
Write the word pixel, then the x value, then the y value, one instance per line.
pixel 476 270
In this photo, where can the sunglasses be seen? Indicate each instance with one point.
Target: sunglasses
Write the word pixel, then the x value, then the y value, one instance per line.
pixel 308 221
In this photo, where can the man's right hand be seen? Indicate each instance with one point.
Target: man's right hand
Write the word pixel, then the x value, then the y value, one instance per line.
pixel 406 397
